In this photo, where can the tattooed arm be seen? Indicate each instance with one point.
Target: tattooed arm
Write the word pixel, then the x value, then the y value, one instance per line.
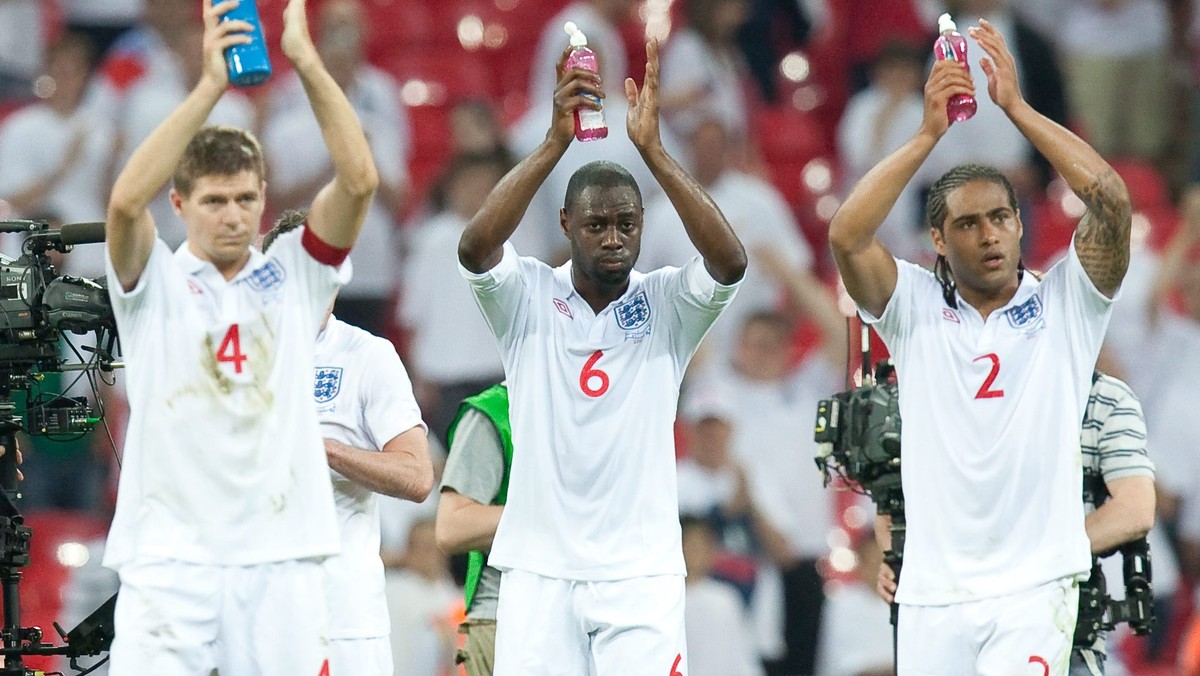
pixel 1102 237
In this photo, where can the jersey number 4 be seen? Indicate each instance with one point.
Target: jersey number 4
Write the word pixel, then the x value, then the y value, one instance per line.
pixel 590 374
pixel 985 390
pixel 230 349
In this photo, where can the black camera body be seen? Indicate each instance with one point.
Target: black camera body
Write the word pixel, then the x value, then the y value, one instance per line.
pixel 858 436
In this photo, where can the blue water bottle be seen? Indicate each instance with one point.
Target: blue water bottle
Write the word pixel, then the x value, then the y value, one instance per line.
pixel 248 64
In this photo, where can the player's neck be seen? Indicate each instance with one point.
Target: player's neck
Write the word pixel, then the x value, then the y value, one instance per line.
pixel 594 293
pixel 228 269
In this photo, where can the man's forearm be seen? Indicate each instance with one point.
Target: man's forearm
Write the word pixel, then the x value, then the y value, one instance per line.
pixel 407 476
pixel 1127 516
pixel 155 159
pixel 706 226
pixel 479 249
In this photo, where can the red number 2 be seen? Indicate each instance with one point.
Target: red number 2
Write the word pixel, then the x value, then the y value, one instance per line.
pixel 985 390
pixel 586 375
pixel 230 349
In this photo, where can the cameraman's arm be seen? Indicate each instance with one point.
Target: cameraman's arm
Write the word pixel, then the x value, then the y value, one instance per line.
pixel 885 585
pixel 1127 516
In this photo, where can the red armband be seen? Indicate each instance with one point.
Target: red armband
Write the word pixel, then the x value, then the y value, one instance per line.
pixel 321 251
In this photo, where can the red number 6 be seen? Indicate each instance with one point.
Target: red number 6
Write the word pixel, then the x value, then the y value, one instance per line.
pixel 586 375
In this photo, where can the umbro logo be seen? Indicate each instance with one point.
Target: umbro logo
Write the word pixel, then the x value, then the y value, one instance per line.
pixel 561 306
pixel 950 315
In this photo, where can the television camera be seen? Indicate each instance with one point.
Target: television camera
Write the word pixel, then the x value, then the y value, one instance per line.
pixel 38 307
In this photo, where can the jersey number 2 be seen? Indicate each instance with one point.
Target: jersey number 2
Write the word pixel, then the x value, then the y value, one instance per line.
pixel 588 374
pixel 985 390
pixel 230 349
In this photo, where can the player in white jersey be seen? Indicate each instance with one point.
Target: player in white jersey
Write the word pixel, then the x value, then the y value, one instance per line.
pixel 375 443
pixel 994 367
pixel 225 506
pixel 589 541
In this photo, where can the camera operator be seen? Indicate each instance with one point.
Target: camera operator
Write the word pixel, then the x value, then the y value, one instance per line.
pixel 995 526
pixel 1113 443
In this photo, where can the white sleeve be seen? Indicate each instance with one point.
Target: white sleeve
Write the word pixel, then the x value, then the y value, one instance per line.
pixel 893 324
pixel 318 282
pixel 130 306
pixel 503 295
pixel 697 300
pixel 389 407
pixel 1087 309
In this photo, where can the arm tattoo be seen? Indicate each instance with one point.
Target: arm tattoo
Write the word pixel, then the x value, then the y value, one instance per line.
pixel 1102 236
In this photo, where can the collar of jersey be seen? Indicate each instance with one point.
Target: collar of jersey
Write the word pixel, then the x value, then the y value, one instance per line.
pixel 1029 284
pixel 564 285
pixel 194 265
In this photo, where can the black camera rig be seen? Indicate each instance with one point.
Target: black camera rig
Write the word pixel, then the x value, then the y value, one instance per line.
pixel 37 308
pixel 1098 612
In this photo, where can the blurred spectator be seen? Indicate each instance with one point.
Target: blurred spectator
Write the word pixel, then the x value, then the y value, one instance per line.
pixel 702 69
pixel 299 163
pixel 57 153
pixel 452 354
pixel 856 633
pixel 1116 58
pixel 877 121
pixel 22 46
pixel 475 128
pixel 713 485
pixel 103 21
pixel 145 53
pixel 774 22
pixel 148 101
pixel 420 597
pixel 763 222
pixel 772 439
pixel 718 637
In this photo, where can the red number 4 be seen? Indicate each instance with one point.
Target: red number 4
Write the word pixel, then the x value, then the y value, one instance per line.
pixel 230 349
pixel 588 374
pixel 985 390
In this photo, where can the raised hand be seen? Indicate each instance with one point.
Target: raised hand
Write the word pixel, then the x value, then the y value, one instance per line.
pixel 999 65
pixel 218 36
pixel 296 42
pixel 642 119
pixel 574 90
pixel 947 80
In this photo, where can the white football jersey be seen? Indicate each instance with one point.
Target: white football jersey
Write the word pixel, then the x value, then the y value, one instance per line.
pixel 592 494
pixel 223 461
pixel 992 410
pixel 364 399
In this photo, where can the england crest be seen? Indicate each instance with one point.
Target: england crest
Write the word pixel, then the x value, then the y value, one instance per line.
pixel 266 276
pixel 634 312
pixel 327 384
pixel 1026 314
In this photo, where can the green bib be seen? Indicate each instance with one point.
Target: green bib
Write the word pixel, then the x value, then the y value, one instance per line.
pixel 493 403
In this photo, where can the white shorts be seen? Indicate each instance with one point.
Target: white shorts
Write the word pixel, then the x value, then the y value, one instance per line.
pixel 550 627
pixel 183 619
pixel 361 656
pixel 1026 634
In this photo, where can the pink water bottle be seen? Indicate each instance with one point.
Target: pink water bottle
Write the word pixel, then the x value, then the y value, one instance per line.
pixel 589 124
pixel 952 45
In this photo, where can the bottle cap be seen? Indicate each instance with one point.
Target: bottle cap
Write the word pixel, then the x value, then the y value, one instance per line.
pixel 945 23
pixel 578 39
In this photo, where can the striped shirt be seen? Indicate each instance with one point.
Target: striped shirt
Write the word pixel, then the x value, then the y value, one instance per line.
pixel 1113 438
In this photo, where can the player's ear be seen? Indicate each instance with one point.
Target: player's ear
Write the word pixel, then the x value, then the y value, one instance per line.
pixel 562 221
pixel 939 242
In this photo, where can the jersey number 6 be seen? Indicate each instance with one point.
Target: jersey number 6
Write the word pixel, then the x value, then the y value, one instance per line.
pixel 985 390
pixel 588 374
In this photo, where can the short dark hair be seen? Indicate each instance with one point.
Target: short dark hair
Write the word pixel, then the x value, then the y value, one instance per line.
pixel 218 151
pixel 601 173
pixel 287 221
pixel 935 211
